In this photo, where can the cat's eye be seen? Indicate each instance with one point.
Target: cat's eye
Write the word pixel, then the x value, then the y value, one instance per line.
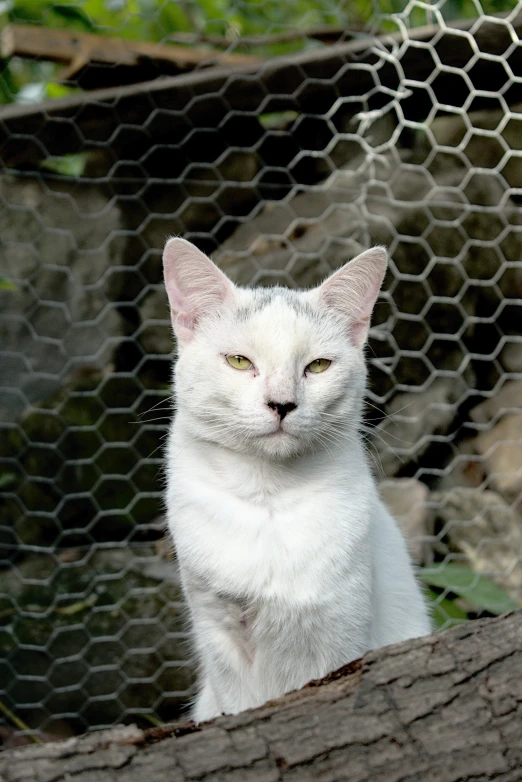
pixel 239 362
pixel 319 365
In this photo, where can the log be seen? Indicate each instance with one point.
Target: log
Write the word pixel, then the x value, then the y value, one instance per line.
pixel 133 119
pixel 116 60
pixel 445 708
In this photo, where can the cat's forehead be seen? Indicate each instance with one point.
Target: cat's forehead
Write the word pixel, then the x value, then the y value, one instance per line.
pixel 281 321
pixel 284 304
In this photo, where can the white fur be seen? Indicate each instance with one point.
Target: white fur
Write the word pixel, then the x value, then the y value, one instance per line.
pixel 290 563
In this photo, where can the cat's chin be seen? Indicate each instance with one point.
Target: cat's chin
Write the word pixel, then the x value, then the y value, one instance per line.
pixel 280 445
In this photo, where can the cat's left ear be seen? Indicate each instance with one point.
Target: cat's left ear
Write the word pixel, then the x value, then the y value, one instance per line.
pixel 353 289
pixel 195 286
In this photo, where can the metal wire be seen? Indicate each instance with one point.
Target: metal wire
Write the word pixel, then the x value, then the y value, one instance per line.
pixel 282 188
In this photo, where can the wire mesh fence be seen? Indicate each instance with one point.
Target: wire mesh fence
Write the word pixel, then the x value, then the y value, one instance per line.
pixel 283 157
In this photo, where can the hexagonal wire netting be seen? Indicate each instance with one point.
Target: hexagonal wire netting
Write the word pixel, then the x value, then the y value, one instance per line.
pixel 283 166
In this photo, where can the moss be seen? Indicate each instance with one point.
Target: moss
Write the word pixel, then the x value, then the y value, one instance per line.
pixel 43 426
pixel 120 391
pixel 81 410
pixel 71 619
pixel 12 442
pixel 117 427
pixel 41 460
pixel 62 449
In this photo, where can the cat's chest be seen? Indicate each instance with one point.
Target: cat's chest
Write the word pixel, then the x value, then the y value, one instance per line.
pixel 272 545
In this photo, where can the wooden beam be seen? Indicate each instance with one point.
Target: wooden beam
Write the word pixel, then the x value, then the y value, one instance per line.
pixel 126 61
pixel 135 118
pixel 325 34
pixel 444 708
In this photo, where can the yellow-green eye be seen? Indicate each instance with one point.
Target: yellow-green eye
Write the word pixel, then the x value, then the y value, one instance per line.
pixel 239 362
pixel 319 365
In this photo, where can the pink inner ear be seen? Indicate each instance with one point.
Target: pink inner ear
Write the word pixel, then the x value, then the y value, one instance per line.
pixel 176 299
pixel 183 327
pixel 353 289
pixel 194 285
pixel 359 331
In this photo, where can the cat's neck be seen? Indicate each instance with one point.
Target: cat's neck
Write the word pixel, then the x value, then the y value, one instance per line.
pixel 255 475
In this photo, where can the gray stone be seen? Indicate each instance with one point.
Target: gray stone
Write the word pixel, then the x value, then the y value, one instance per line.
pixel 501 448
pixel 412 420
pixel 485 150
pixel 155 334
pixel 406 500
pixel 511 356
pixel 59 246
pixel 466 469
pixel 499 439
pixel 508 399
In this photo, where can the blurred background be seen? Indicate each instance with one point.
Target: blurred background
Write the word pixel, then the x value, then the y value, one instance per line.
pixel 282 138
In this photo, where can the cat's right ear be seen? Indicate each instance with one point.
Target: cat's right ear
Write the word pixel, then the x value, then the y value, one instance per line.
pixel 353 289
pixel 194 286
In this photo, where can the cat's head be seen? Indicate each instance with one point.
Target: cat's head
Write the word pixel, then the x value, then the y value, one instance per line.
pixel 271 371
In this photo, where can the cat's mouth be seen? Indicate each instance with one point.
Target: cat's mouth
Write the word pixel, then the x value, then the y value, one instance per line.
pixel 279 432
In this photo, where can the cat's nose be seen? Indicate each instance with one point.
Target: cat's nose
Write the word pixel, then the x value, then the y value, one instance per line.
pixel 282 408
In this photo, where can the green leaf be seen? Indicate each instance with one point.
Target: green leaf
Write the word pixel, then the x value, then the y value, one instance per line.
pixel 55 90
pixel 6 285
pixel 75 608
pixel 7 479
pixel 8 88
pixel 68 165
pixel 478 590
pixel 20 724
pixel 153 720
pixel 71 13
pixel 445 612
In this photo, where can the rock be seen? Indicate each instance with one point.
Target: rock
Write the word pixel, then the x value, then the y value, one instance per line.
pixel 501 448
pixel 486 529
pixel 466 469
pixel 102 637
pixel 508 399
pixel 500 444
pixel 61 250
pixel 510 357
pixel 412 420
pixel 155 335
pixel 80 465
pixel 406 499
pixel 485 150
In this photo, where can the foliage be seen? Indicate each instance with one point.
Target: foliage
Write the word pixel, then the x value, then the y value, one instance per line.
pixel 7 479
pixel 155 20
pixel 457 593
pixel 67 165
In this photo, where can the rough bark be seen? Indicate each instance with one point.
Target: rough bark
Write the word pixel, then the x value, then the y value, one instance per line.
pixel 439 709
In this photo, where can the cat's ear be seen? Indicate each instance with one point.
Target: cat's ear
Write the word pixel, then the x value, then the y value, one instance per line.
pixel 353 289
pixel 194 286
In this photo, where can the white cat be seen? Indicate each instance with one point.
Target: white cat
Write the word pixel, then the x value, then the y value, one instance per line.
pixel 290 563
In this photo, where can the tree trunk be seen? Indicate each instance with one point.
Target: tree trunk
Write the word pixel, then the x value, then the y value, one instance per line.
pixel 446 707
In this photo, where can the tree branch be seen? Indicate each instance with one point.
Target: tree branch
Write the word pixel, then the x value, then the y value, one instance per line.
pixel 126 61
pixel 443 708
